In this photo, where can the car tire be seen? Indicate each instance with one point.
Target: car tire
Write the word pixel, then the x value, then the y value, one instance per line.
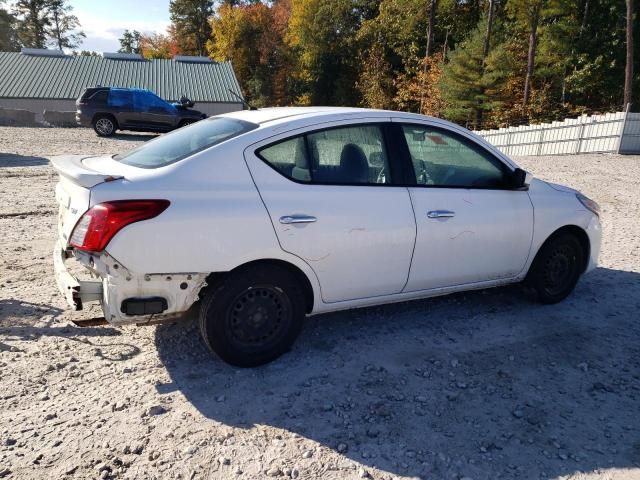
pixel 253 315
pixel 184 123
pixel 104 125
pixel 557 268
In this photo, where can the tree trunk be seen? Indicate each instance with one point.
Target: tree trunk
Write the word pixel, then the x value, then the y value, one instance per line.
pixel 487 35
pixel 531 58
pixel 628 72
pixel 56 29
pixel 445 46
pixel 427 52
pixel 432 17
pixel 583 25
pixel 485 54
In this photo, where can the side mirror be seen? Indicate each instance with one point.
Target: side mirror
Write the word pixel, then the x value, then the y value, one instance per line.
pixel 520 179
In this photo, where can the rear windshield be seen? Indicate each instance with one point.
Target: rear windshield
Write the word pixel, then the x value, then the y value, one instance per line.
pixel 184 142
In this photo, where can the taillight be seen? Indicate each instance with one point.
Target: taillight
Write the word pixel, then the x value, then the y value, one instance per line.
pixel 100 223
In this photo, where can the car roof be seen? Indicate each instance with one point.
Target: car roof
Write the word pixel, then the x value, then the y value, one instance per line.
pixel 266 115
pixel 273 119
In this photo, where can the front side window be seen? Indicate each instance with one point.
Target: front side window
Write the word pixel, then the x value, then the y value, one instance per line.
pixel 184 142
pixel 343 156
pixel 119 98
pixel 444 159
pixel 148 102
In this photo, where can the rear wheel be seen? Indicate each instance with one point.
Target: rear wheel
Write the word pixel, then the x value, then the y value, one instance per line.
pixel 104 125
pixel 557 268
pixel 253 316
pixel 184 123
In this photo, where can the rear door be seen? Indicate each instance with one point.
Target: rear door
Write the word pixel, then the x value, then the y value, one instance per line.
pixel 120 104
pixel 331 197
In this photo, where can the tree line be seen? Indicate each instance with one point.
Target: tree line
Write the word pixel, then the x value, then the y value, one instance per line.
pixel 481 63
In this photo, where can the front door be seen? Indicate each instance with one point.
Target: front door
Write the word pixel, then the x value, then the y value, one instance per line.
pixel 471 225
pixel 154 113
pixel 331 200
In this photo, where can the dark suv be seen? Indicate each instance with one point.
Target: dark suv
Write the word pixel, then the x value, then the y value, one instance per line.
pixel 109 109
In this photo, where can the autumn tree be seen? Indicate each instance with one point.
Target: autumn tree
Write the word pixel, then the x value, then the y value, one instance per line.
pixel 244 34
pixel 190 19
pixel 323 36
pixel 158 45
pixel 63 25
pixel 418 87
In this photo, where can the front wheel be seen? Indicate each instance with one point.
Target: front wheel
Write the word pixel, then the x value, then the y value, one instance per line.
pixel 557 268
pixel 253 316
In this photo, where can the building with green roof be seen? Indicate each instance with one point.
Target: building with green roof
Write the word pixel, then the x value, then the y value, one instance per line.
pixel 40 79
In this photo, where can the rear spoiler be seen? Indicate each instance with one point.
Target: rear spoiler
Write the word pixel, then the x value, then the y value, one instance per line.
pixel 71 167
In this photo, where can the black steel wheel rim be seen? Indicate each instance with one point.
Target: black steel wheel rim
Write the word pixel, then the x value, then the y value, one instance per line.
pixel 560 269
pixel 258 318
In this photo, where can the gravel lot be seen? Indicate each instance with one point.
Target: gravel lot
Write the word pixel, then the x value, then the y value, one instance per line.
pixel 485 385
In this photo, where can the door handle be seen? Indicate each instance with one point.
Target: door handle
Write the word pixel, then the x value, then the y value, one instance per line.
pixel 441 214
pixel 286 220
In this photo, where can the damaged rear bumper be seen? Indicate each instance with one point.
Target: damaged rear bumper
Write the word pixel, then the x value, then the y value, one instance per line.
pixel 76 292
pixel 126 297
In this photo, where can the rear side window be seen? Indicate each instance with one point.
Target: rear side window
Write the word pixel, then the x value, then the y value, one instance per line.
pixel 289 158
pixel 100 97
pixel 354 155
pixel 120 98
pixel 184 142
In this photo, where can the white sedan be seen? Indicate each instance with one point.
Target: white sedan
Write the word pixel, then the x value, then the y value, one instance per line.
pixel 270 215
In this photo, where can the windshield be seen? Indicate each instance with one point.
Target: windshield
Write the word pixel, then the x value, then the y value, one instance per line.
pixel 184 142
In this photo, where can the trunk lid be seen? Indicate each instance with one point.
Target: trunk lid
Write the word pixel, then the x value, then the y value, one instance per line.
pixel 73 191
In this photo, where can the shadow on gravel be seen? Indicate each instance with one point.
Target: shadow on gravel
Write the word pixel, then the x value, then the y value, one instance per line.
pixel 484 384
pixel 8 160
pixel 37 320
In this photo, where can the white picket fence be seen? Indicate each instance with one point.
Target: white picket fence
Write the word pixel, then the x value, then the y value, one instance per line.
pixel 609 133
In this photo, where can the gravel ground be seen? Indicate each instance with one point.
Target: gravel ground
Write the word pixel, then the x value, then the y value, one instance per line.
pixel 484 385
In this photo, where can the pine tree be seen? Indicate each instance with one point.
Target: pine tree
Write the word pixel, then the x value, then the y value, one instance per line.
pixel 64 25
pixel 33 20
pixel 190 18
pixel 130 42
pixel 469 82
pixel 8 35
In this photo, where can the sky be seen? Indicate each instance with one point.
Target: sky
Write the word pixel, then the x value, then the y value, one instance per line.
pixel 104 21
